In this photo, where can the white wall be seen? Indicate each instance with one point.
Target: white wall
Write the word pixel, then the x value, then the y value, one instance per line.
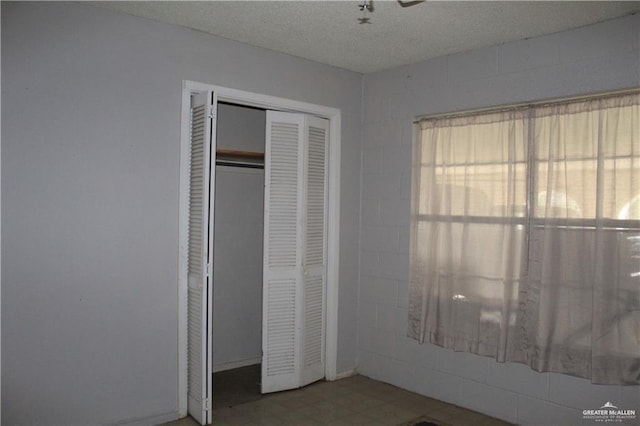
pixel 90 132
pixel 237 259
pixel 241 128
pixel 597 58
pixel 237 268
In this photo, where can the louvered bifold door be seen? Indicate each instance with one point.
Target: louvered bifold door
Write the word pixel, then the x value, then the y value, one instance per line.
pixel 314 261
pixel 282 252
pixel 198 326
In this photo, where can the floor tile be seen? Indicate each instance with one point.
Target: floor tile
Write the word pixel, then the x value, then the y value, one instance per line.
pixel 356 400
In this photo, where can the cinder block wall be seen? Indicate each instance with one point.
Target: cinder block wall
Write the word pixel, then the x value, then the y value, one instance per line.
pixel 596 58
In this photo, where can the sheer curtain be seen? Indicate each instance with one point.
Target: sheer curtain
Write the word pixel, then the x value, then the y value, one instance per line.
pixel 526 237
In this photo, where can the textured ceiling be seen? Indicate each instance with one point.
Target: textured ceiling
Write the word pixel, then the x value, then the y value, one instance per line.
pixel 329 32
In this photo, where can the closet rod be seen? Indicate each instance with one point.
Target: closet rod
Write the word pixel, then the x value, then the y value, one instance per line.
pixel 239 154
pixel 244 164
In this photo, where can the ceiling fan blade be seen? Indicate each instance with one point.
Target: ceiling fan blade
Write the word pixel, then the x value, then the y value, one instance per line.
pixel 409 3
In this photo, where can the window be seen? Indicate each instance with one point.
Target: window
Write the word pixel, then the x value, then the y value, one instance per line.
pixel 526 234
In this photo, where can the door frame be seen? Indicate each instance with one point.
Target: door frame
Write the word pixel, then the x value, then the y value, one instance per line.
pixel 241 97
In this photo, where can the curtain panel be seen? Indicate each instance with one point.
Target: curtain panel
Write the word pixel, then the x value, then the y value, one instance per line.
pixel 526 237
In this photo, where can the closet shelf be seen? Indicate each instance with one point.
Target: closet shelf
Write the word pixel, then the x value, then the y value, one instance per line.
pixel 247 159
pixel 246 155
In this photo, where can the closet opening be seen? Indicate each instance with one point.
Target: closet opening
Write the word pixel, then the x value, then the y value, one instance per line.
pixel 238 254
pixel 276 200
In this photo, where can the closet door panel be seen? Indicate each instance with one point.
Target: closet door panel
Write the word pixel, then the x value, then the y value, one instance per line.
pixel 314 262
pixel 282 297
pixel 198 252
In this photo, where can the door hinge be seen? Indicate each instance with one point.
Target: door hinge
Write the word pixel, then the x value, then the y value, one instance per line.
pixel 207 404
pixel 208 269
pixel 212 111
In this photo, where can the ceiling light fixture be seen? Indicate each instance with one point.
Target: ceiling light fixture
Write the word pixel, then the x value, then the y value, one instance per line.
pixel 365 6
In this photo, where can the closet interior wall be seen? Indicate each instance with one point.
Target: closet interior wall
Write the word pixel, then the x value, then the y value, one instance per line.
pixel 237 258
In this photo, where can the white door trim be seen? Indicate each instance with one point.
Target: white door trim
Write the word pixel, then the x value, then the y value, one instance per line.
pixel 333 226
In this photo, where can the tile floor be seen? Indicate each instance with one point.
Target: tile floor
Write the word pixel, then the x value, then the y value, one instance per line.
pixel 356 400
pixel 237 386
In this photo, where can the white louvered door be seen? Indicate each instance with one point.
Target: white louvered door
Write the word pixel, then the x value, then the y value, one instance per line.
pixel 314 263
pixel 199 257
pixel 282 252
pixel 294 237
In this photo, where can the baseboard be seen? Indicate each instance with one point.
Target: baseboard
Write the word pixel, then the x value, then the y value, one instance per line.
pixel 236 364
pixel 346 374
pixel 151 420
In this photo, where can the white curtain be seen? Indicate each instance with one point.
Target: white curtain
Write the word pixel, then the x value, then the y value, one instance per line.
pixel 526 237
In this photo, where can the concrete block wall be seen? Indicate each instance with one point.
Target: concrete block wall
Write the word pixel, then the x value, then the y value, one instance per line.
pixel 600 57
